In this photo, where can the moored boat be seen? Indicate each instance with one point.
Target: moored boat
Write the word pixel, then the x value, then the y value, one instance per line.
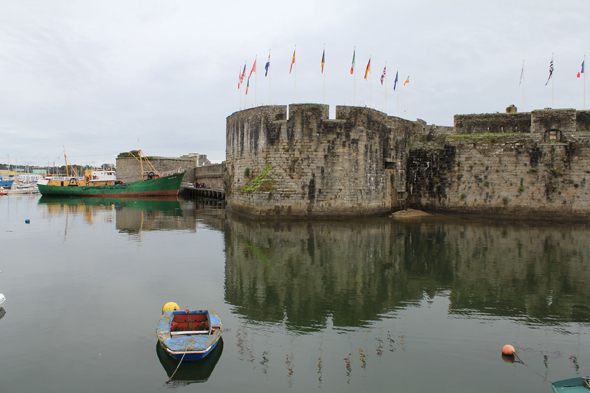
pixel 4 183
pixel 157 186
pixel 105 183
pixel 571 385
pixel 2 300
pixel 187 335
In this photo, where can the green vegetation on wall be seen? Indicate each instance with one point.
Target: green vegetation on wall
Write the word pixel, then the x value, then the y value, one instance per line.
pixel 261 183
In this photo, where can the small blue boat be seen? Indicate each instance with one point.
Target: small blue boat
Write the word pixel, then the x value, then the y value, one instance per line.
pixel 572 385
pixel 5 183
pixel 189 335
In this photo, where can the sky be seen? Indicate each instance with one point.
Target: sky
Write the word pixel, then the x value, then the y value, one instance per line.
pixel 97 78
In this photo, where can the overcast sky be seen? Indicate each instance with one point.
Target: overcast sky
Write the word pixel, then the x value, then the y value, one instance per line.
pixel 104 77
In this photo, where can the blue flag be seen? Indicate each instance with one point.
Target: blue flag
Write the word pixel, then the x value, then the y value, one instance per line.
pixel 395 81
pixel 267 66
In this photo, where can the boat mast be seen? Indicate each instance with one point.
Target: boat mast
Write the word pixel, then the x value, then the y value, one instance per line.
pixel 66 159
pixel 141 163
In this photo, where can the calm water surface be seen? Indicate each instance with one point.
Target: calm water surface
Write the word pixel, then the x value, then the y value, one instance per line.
pixel 334 306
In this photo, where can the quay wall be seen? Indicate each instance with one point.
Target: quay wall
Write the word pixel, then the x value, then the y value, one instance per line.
pixel 306 165
pixel 211 175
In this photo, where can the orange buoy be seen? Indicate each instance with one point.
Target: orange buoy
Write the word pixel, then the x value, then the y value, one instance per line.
pixel 508 350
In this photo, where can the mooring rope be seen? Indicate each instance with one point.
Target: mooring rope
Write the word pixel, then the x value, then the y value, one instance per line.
pixel 179 363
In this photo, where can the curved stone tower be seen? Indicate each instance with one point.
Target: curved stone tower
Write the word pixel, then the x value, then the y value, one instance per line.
pixel 308 166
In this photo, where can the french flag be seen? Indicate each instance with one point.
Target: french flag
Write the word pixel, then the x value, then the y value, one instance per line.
pixel 581 71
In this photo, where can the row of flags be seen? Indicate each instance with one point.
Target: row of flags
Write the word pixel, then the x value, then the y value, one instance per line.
pixel 579 74
pixel 242 74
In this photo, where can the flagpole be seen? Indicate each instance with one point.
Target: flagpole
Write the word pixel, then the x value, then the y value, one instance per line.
pixel 295 64
pixel 256 81
pixel 396 74
pixel 408 102
pixel 354 77
pixel 523 106
pixel 385 83
pixel 552 87
pixel 370 84
pixel 323 72
pixel 240 88
pixel 269 73
pixel 584 82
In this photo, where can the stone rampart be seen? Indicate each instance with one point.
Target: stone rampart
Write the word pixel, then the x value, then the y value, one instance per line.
pixel 365 163
pixel 540 174
pixel 211 175
pixel 492 123
pixel 129 168
pixel 311 166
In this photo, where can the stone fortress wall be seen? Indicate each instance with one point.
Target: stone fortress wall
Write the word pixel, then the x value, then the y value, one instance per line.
pixel 308 165
pixel 534 165
pixel 365 163
pixel 129 169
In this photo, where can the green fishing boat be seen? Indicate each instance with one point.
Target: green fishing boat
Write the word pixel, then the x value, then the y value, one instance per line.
pixel 105 183
pixel 159 186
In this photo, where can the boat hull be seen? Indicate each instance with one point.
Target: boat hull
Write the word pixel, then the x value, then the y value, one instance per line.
pixel 570 385
pixel 162 186
pixel 6 183
pixel 189 345
pixel 191 356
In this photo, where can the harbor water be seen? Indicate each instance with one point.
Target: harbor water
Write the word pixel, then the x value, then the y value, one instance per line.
pixel 422 305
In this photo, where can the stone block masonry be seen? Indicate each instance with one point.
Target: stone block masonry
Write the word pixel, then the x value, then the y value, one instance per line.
pixel 541 172
pixel 129 169
pixel 309 166
pixel 365 163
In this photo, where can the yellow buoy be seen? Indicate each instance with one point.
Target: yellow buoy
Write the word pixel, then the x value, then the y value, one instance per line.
pixel 170 306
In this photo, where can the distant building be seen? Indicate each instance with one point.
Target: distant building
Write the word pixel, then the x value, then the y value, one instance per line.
pixel 201 159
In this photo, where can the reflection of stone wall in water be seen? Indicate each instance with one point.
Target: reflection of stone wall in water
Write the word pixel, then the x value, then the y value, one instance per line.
pixel 356 271
pixel 134 220
pixel 536 272
pixel 159 215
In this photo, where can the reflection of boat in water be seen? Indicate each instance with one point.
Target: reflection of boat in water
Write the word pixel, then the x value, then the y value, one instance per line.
pixel 169 204
pixel 190 372
pixel 2 300
pixel 571 385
